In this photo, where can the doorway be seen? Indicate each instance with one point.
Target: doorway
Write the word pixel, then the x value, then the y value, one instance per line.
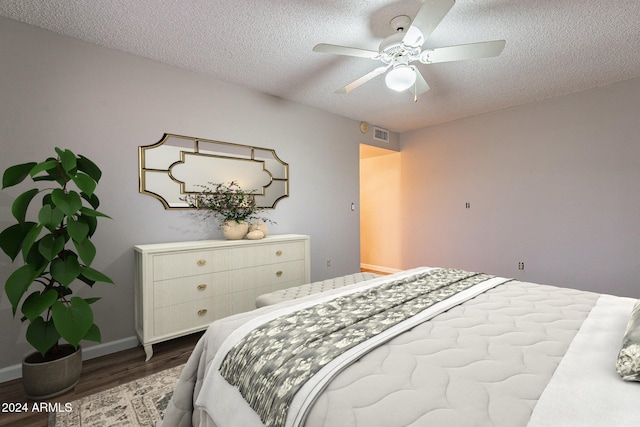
pixel 380 204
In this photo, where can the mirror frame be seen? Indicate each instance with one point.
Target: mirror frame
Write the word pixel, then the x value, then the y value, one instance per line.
pixel 281 178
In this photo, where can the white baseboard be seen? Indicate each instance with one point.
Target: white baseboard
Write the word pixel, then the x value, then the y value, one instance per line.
pixel 379 268
pixel 10 373
pixel 14 372
pixel 109 348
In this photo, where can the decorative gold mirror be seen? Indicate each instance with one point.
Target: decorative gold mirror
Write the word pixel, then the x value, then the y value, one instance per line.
pixel 178 165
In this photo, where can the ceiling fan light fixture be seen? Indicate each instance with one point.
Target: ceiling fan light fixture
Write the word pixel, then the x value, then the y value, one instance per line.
pixel 406 46
pixel 400 78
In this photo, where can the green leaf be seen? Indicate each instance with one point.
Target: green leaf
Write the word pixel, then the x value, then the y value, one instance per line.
pixel 50 217
pixel 48 165
pixel 29 239
pixel 91 221
pixel 35 258
pixel 58 174
pixel 94 213
pixel 93 334
pixel 16 174
pixel 21 203
pixel 88 167
pixel 77 229
pixel 42 335
pixel 85 183
pixel 89 282
pixel 65 270
pixel 46 200
pixel 18 283
pixel 37 303
pixel 93 200
pixel 92 300
pixel 67 159
pixel 11 238
pixel 86 250
pixel 69 203
pixel 74 321
pixel 50 246
pixel 95 275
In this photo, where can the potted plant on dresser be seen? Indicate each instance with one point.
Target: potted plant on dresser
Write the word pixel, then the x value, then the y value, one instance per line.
pixel 233 207
pixel 55 252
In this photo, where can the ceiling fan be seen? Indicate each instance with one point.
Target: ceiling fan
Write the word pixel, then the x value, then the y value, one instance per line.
pixel 398 51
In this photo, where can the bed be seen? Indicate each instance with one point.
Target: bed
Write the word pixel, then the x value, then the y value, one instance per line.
pixel 451 348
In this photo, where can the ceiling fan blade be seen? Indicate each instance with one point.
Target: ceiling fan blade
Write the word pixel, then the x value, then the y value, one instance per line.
pixel 344 50
pixel 420 86
pixel 427 19
pixel 362 80
pixel 463 51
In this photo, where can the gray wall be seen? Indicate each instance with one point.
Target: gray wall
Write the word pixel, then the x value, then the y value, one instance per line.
pixel 555 184
pixel 57 91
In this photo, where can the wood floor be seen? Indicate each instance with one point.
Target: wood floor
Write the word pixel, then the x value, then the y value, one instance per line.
pixel 100 374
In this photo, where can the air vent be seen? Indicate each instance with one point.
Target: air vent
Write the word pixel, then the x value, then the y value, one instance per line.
pixel 380 134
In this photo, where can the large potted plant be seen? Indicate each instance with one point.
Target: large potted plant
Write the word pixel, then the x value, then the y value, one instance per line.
pixel 56 252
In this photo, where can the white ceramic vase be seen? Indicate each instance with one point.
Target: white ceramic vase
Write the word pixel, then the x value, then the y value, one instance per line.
pixel 235 230
pixel 259 226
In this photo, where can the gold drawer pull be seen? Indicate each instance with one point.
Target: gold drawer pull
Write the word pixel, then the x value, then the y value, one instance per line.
pixel 278 253
pixel 202 312
pixel 202 287
pixel 202 262
pixel 278 273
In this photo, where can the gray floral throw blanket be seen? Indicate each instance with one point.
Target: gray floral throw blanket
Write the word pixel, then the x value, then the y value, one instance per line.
pixel 271 363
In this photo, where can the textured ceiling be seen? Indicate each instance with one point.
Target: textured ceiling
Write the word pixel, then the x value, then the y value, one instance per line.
pixel 553 47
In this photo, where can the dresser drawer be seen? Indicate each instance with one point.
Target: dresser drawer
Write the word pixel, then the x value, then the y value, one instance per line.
pixel 266 254
pixel 251 278
pixel 191 263
pixel 176 291
pixel 172 265
pixel 193 288
pixel 190 315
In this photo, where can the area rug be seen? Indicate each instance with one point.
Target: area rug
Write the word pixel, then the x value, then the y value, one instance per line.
pixel 139 403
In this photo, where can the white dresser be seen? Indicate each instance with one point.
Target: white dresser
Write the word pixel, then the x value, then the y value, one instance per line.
pixel 182 287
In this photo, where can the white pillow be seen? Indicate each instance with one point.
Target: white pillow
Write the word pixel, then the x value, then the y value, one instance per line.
pixel 628 363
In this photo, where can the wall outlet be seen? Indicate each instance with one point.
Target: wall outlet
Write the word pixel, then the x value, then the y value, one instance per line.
pixel 521 265
pixel 328 263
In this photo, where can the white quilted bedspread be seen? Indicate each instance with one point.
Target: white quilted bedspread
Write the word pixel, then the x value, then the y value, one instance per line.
pixel 483 363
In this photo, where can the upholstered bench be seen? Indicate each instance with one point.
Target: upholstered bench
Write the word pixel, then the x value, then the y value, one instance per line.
pixel 311 288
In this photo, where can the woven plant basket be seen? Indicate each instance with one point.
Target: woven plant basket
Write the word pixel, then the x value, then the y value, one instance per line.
pixel 44 380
